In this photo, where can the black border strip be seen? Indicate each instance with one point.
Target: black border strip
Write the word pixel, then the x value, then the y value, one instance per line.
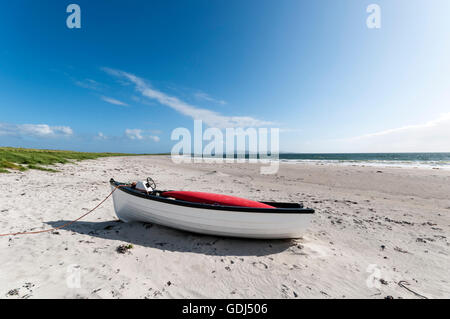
pixel 130 191
pixel 173 308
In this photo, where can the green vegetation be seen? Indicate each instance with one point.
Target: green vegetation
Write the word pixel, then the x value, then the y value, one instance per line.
pixel 23 159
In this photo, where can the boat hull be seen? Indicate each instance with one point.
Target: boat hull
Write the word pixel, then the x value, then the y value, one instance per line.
pixel 131 207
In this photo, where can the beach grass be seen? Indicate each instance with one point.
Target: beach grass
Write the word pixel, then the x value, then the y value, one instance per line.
pixel 22 159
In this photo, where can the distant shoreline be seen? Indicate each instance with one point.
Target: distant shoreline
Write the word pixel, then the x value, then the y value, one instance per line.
pixel 22 159
pixel 408 160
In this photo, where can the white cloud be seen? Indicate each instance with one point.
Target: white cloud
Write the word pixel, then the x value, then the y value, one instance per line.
pixel 113 101
pixel 89 84
pixel 154 138
pixel 134 134
pixel 431 136
pixel 138 134
pixel 210 118
pixel 101 136
pixel 207 97
pixel 34 130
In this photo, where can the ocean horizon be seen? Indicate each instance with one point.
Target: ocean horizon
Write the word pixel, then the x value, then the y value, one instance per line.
pixel 416 159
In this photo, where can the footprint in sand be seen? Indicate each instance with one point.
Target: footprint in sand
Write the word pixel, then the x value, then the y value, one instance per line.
pixel 288 291
pixel 217 173
pixel 260 265
pixel 314 250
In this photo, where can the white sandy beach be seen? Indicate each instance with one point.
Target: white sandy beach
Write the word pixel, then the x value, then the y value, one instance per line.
pixel 391 223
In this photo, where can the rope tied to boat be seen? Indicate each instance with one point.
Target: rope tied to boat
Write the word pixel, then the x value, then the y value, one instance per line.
pixel 69 223
pixel 404 283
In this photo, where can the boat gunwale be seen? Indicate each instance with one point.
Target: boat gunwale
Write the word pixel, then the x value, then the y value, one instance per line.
pixel 276 210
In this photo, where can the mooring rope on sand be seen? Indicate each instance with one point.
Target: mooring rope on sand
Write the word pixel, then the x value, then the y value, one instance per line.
pixel 66 224
pixel 403 284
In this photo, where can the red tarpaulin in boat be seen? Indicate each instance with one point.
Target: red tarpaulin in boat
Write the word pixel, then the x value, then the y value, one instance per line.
pixel 214 199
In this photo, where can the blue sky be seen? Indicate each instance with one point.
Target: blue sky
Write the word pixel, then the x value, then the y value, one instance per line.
pixel 136 70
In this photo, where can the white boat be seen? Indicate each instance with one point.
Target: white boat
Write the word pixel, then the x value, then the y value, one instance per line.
pixel 285 220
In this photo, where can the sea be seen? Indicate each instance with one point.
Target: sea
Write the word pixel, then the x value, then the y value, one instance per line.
pixel 407 160
pixel 422 160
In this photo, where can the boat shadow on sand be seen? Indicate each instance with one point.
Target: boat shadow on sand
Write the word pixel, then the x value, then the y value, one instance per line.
pixel 168 239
